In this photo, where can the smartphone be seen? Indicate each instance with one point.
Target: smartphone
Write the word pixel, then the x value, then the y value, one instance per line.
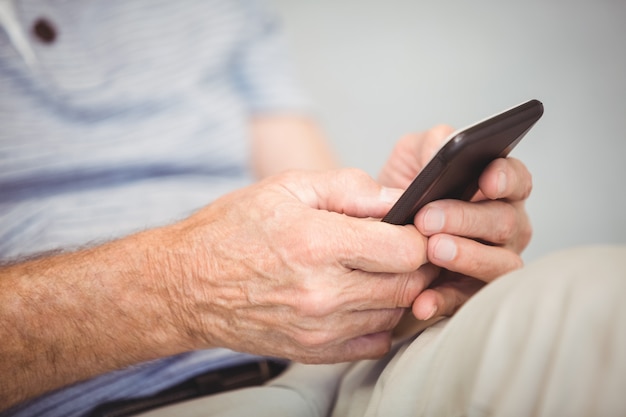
pixel 454 171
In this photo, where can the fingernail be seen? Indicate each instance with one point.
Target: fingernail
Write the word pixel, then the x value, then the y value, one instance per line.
pixel 432 313
pixel 501 183
pixel 445 249
pixel 434 220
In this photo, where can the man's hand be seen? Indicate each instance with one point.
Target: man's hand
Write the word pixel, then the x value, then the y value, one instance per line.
pixel 294 267
pixel 475 241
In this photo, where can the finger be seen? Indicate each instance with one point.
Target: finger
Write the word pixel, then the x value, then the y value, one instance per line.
pixel 445 298
pixel 431 141
pixel 385 291
pixel 410 154
pixel 403 163
pixel 370 346
pixel 493 221
pixel 358 335
pixel 374 344
pixel 319 332
pixel 374 246
pixel 506 178
pixel 472 258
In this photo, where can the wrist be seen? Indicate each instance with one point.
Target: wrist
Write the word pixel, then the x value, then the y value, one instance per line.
pixel 176 264
pixel 153 291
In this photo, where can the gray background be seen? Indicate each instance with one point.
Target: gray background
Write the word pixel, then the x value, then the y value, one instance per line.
pixel 379 69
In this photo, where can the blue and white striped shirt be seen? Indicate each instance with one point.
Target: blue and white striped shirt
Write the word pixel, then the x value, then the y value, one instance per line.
pixel 130 115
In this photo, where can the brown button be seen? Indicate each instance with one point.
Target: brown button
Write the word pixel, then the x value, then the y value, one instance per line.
pixel 44 31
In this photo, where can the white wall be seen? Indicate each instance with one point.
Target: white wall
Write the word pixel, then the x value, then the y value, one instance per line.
pixel 378 69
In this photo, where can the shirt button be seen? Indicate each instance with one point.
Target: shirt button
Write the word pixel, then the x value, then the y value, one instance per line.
pixel 44 31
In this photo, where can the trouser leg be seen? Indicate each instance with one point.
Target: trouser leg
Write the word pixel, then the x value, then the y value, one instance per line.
pixel 548 340
pixel 302 390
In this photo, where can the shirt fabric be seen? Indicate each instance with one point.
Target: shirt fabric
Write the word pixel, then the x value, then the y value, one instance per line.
pixel 131 115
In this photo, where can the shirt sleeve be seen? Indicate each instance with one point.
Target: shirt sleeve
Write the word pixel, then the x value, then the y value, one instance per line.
pixel 263 72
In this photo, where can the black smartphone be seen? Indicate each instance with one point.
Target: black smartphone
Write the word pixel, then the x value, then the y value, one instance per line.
pixel 454 171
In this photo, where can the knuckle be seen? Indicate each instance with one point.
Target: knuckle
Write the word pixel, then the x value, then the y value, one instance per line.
pixel 507 225
pixel 475 264
pixel 305 245
pixel 410 256
pixel 393 316
pixel 315 303
pixel 403 296
pixel 351 178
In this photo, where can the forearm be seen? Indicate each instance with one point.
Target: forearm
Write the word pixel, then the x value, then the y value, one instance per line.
pixel 72 316
pixel 285 141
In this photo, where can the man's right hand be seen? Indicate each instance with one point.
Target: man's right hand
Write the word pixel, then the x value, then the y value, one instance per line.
pixel 295 266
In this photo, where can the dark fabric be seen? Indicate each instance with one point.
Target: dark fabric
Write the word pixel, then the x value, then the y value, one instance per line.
pixel 240 376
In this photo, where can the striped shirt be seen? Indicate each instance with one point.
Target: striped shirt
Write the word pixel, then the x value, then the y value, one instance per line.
pixel 116 116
